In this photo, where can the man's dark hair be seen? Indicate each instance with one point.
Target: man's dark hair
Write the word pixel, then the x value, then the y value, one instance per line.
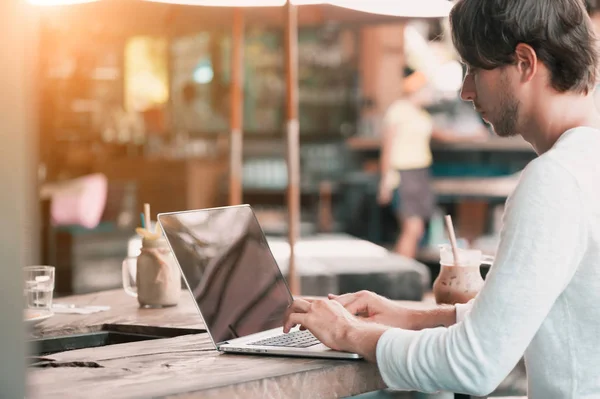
pixel 486 33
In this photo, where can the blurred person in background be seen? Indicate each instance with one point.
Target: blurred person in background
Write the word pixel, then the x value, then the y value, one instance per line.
pixel 408 129
pixel 405 166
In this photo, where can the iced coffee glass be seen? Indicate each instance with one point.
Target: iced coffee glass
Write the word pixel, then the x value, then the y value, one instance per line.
pixel 458 283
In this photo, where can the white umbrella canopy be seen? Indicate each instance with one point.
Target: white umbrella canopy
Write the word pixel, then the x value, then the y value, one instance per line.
pixel 392 8
pixel 399 8
pixel 396 8
pixel 240 3
pixel 226 3
pixel 210 3
pixel 58 2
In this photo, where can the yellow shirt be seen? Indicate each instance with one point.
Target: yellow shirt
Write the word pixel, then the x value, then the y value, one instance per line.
pixel 412 127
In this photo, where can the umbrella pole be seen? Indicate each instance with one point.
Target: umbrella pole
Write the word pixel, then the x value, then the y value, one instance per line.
pixel 237 109
pixel 292 135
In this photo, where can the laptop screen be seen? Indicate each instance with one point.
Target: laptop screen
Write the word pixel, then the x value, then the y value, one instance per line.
pixel 229 269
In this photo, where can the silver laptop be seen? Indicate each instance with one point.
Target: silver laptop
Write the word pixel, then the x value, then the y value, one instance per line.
pixel 237 285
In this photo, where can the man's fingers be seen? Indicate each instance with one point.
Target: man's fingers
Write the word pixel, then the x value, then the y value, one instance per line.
pixel 293 320
pixel 344 299
pixel 299 305
pixel 354 303
pixel 304 298
pixel 298 308
pixel 358 307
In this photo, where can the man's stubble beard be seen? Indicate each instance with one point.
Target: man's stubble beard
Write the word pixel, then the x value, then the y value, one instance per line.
pixel 506 125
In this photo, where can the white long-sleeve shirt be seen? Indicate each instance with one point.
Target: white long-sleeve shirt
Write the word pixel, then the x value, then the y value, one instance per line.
pixel 541 298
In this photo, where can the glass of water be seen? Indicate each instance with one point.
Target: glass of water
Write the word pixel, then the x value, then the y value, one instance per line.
pixel 39 288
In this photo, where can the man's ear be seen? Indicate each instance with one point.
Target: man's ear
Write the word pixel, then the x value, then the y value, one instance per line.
pixel 526 61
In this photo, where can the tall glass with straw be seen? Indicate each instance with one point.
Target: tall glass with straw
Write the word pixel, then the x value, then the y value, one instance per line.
pixel 460 278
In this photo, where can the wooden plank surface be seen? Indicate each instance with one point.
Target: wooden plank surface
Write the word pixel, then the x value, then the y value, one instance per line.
pixel 187 366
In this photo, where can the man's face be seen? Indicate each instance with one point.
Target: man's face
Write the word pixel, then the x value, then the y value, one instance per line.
pixel 492 95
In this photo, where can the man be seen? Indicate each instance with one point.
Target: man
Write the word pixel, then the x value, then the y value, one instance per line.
pixel 532 65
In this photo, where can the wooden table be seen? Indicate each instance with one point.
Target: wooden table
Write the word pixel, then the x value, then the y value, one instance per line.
pixel 187 366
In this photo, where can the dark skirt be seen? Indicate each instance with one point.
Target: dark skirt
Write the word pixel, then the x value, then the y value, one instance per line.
pixel 416 196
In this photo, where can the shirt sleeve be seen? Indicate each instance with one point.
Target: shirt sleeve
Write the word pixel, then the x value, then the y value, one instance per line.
pixel 462 310
pixel 541 245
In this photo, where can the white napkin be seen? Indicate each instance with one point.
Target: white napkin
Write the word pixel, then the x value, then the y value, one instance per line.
pixel 74 309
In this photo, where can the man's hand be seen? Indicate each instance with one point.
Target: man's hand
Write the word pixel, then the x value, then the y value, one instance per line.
pixel 334 326
pixel 327 320
pixel 372 307
pixel 369 306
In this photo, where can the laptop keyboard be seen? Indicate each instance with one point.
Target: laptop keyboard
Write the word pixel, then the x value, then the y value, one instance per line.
pixel 295 339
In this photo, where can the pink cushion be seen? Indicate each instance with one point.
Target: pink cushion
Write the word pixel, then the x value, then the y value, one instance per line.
pixel 80 201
